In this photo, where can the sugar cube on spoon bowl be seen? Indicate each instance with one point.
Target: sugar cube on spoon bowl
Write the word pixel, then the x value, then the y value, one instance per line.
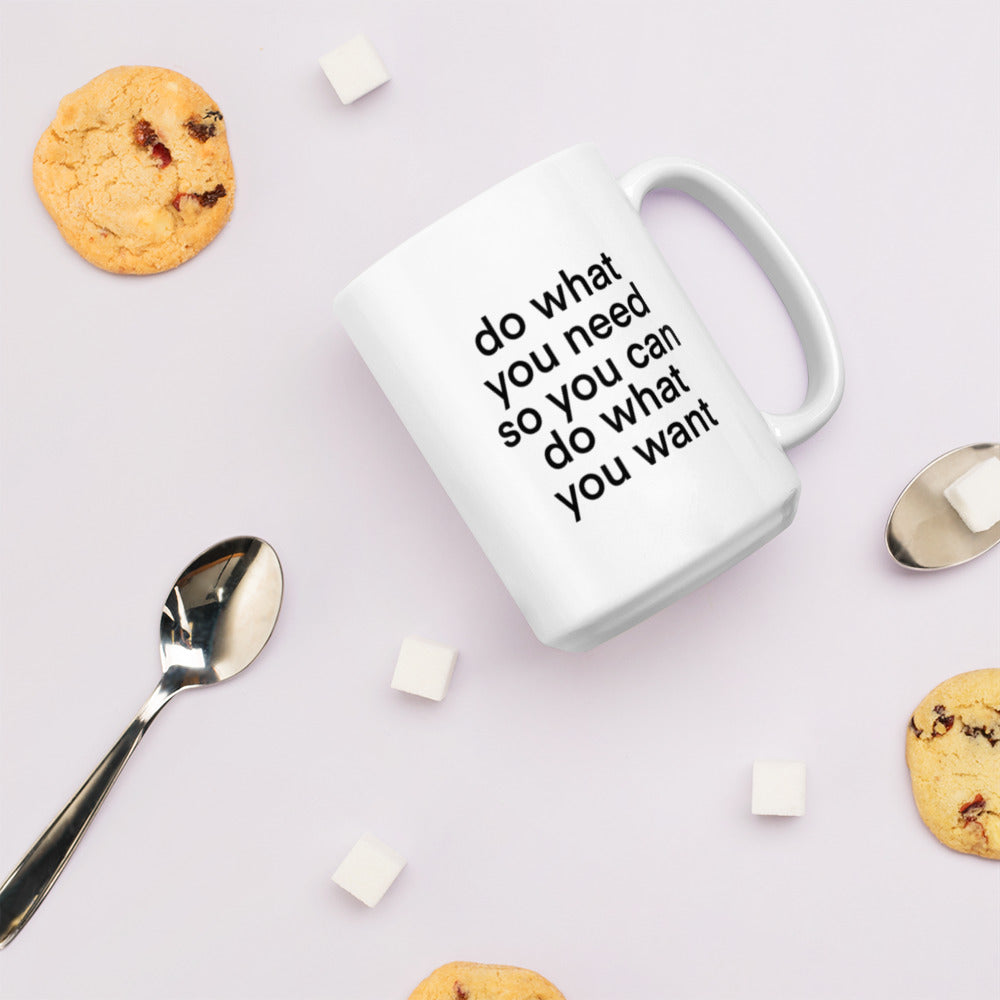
pixel 975 495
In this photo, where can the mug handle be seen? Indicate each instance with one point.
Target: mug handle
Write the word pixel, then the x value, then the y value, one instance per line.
pixel 824 365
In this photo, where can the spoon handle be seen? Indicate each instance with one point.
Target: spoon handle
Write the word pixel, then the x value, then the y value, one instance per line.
pixel 31 880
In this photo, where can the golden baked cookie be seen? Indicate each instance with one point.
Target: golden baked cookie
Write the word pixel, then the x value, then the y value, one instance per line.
pixel 472 981
pixel 953 752
pixel 135 170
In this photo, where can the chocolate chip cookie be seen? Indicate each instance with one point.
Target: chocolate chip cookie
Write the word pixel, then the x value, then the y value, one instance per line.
pixel 135 170
pixel 473 981
pixel 953 752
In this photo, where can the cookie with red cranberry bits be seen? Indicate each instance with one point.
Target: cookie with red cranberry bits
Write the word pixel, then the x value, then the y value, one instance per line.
pixel 135 170
pixel 953 752
pixel 473 981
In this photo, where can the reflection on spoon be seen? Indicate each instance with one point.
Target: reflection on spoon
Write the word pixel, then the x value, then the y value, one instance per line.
pixel 924 530
pixel 215 621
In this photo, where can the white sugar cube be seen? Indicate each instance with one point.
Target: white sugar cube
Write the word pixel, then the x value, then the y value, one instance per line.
pixel 424 668
pixel 976 495
pixel 354 69
pixel 369 869
pixel 779 788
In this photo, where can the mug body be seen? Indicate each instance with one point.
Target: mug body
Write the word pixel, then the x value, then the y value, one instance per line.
pixel 572 404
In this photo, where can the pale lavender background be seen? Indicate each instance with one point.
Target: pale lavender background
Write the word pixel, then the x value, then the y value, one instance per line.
pixel 584 815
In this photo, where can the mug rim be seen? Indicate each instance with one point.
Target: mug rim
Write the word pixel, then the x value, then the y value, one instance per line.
pixel 486 192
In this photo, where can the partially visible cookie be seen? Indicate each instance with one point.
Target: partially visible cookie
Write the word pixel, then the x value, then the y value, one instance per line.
pixel 953 752
pixel 473 981
pixel 135 170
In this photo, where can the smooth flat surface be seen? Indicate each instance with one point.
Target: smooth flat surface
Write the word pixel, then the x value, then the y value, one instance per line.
pixel 584 815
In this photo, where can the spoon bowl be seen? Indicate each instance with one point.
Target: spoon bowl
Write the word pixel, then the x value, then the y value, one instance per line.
pixel 924 531
pixel 221 611
pixel 216 619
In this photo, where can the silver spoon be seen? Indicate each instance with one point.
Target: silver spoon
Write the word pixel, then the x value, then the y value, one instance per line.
pixel 924 530
pixel 215 621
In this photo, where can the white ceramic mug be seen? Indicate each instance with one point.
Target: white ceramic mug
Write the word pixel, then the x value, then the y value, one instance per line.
pixel 574 407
